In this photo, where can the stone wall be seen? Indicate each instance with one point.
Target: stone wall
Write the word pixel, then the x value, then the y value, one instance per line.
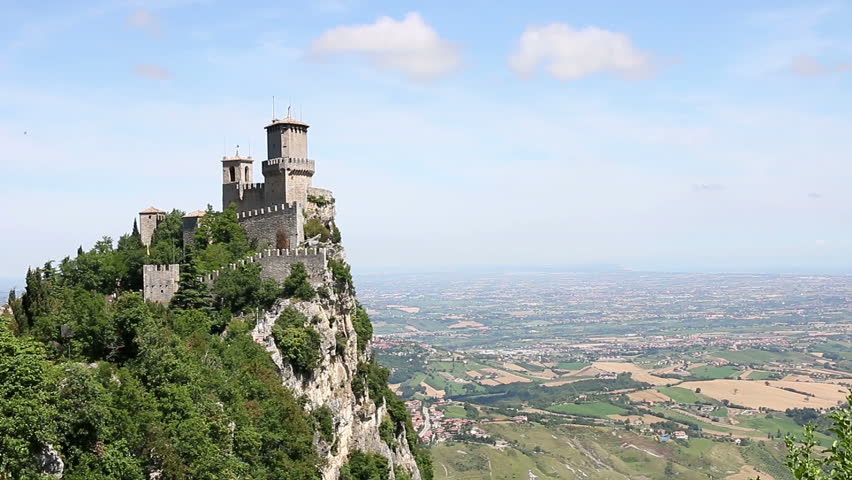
pixel 269 224
pixel 275 264
pixel 247 196
pixel 160 282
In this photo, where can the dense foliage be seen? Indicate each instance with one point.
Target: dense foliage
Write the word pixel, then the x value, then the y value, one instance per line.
pixel 365 466
pixel 298 284
pixel 121 388
pixel 299 343
pixel 314 227
pixel 363 327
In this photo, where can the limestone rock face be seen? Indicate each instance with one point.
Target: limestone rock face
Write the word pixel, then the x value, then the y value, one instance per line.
pixel 356 418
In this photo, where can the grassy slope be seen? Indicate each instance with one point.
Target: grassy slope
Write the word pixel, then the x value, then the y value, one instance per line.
pixel 593 451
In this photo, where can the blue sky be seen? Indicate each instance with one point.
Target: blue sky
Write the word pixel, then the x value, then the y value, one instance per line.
pixel 666 135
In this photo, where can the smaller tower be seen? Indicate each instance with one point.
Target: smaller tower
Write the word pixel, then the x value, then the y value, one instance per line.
pixel 149 219
pixel 237 172
pixel 190 224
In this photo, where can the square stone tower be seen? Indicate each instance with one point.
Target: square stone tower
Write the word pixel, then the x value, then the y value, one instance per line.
pixel 149 219
pixel 287 170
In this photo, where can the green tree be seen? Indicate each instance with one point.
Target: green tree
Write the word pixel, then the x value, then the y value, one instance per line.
pixel 27 415
pixel 835 463
pixel 242 289
pixel 35 301
pixel 299 343
pixel 298 284
pixel 363 327
pixel 192 292
pixel 220 239
pixel 365 466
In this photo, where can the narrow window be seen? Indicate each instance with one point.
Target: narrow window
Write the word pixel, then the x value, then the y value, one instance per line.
pixel 233 173
pixel 246 176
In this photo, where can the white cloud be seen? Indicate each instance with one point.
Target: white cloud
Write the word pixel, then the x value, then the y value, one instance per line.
pixel 153 72
pixel 808 66
pixel 409 45
pixel 568 53
pixel 145 20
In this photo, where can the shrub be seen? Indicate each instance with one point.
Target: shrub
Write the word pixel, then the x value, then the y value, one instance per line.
pixel 340 344
pixel 363 327
pixel 365 466
pixel 341 273
pixel 320 200
pixel 324 421
pixel 297 284
pixel 314 227
pixel 387 432
pixel 298 343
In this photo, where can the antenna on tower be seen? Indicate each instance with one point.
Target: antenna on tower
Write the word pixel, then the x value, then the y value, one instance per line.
pixel 237 155
pixel 288 111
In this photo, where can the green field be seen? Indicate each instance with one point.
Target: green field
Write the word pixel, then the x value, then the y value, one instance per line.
pixel 760 375
pixel 572 365
pixel 454 411
pixel 760 357
pixel 593 453
pixel 594 409
pixel 684 395
pixel 711 373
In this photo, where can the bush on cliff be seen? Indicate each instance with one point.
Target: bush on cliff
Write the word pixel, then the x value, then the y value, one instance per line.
pixel 297 284
pixel 242 290
pixel 363 327
pixel 314 227
pixel 299 344
pixel 365 466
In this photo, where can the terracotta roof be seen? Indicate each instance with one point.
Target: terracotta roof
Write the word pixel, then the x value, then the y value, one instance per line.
pixel 197 213
pixel 287 121
pixel 152 210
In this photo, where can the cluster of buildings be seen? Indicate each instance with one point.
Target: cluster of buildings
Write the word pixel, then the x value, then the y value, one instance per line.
pixel 272 212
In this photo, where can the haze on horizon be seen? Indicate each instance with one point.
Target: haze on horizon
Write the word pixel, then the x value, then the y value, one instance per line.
pixel 663 136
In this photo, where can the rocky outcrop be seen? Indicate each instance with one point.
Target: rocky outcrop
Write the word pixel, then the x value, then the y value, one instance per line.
pixel 356 417
pixel 49 462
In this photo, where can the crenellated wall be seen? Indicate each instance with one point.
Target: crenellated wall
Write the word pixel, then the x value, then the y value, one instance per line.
pixel 275 264
pixel 277 226
pixel 160 282
pixel 247 196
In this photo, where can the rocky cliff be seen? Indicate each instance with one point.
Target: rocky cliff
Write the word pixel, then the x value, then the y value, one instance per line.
pixel 357 416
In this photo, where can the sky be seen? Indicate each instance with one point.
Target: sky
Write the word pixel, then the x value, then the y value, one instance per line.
pixel 659 135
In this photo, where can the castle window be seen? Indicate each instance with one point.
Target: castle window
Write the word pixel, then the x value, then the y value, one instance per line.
pixel 233 172
pixel 245 178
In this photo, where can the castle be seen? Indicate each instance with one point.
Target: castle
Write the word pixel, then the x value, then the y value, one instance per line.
pixel 272 212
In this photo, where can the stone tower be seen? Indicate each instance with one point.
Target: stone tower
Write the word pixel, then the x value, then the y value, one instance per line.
pixel 149 219
pixel 287 170
pixel 237 173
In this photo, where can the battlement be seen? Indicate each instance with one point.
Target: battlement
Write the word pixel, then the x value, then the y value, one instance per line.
pixel 161 268
pixel 283 208
pixel 302 164
pixel 275 264
pixel 160 282
pixel 250 186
